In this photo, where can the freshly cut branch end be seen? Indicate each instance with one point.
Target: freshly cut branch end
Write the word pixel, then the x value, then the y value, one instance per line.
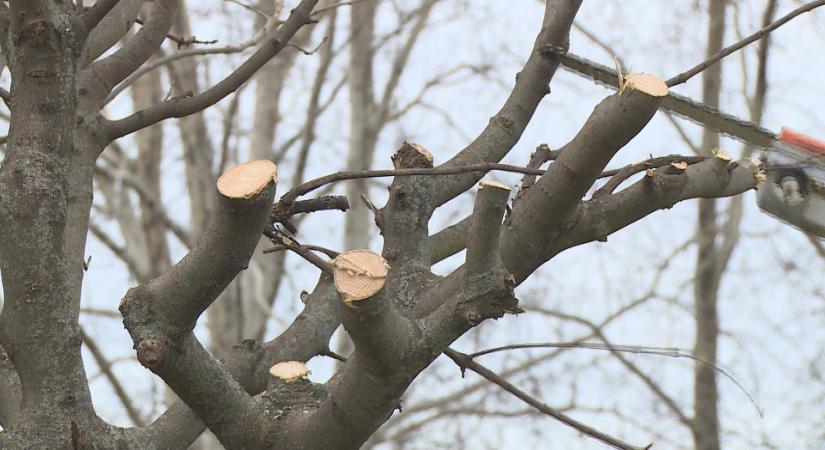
pixel 358 275
pixel 289 371
pixel 248 179
pixel 412 155
pixel 760 175
pixel 647 83
pixel 488 183
pixel 721 154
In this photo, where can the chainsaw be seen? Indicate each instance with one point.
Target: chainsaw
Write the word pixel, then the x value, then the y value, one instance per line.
pixel 794 188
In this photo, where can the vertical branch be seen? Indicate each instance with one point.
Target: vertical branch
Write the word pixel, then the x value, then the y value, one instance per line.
pixel 362 134
pixel 147 91
pixel 34 204
pixel 706 282
pixel 482 244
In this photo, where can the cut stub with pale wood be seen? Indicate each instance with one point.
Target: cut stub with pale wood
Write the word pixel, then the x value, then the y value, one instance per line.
pixel 482 248
pixel 647 83
pixel 289 371
pixel 359 274
pixel 412 155
pixel 248 179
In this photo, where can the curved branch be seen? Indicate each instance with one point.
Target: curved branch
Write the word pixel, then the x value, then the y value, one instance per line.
pixel 96 13
pixel 110 71
pixel 184 106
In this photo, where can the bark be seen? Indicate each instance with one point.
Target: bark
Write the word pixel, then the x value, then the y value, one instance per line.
pixel 35 259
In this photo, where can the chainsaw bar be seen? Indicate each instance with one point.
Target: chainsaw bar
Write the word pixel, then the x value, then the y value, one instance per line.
pixel 697 112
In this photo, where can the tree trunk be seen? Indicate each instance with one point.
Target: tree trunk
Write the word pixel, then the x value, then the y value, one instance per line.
pixel 362 135
pixel 706 282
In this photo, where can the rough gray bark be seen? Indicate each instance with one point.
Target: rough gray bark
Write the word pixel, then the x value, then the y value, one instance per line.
pixel 57 135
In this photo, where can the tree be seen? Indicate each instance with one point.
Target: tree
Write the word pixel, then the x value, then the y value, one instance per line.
pixel 58 135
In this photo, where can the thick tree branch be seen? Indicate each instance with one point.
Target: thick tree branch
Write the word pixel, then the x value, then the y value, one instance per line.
pixel 112 27
pixel 160 315
pixel 532 84
pixel 249 363
pixel 551 204
pixel 661 189
pixel 482 250
pixel 183 293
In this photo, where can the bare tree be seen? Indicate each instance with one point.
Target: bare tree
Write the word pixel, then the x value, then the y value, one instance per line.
pixel 400 315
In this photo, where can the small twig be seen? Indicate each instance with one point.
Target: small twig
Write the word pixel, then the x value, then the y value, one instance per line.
pixel 251 8
pixel 6 96
pixel 465 362
pixel 308 52
pixel 320 11
pixel 684 76
pixel 282 212
pixel 181 41
pixel 316 248
pixel 333 355
pixel 537 159
pixel 290 243
pixel 369 204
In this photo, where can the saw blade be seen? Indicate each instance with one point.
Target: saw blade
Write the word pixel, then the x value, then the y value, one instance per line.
pixel 685 107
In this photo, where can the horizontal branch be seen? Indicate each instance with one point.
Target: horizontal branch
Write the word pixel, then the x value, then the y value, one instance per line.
pixel 311 185
pixel 659 189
